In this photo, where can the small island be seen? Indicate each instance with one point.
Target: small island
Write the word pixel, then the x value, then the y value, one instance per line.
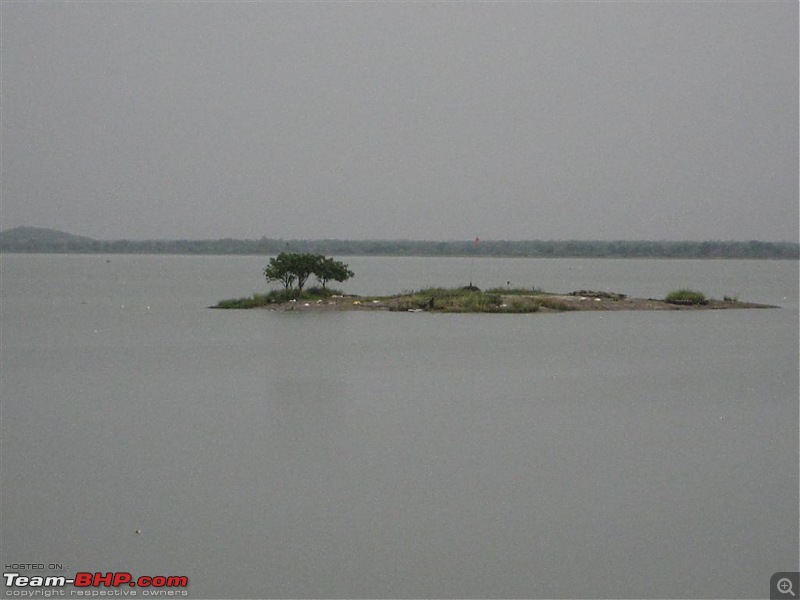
pixel 291 269
pixel 470 299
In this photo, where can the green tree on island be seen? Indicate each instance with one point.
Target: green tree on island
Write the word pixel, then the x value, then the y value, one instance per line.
pixel 280 269
pixel 328 269
pixel 289 268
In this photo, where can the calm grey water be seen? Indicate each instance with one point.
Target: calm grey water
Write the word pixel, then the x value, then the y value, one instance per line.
pixel 267 454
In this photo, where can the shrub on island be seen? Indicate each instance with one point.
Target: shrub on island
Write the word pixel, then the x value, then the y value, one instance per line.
pixel 686 297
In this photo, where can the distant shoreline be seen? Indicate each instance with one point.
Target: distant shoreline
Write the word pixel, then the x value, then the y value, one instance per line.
pixel 33 240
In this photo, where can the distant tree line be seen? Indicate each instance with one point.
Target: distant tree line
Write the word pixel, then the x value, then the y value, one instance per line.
pixel 33 240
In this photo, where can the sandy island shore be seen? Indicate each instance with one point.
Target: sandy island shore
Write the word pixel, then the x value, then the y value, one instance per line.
pixel 512 303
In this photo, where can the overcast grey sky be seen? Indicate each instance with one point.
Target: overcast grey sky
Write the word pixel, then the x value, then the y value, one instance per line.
pixel 525 120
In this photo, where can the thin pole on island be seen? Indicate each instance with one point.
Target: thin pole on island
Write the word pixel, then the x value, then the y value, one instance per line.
pixel 472 259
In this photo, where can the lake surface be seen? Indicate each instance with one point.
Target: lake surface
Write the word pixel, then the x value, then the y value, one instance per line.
pixel 351 454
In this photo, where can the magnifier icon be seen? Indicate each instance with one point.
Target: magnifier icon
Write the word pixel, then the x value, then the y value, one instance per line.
pixel 784 586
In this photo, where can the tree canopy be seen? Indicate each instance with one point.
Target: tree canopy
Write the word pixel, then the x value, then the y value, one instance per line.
pixel 288 268
pixel 328 269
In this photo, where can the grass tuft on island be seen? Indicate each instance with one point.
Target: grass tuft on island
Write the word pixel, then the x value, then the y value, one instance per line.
pixel 470 299
pixel 278 297
pixel 686 297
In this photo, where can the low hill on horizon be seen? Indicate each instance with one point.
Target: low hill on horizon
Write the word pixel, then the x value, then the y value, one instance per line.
pixel 25 234
pixel 26 239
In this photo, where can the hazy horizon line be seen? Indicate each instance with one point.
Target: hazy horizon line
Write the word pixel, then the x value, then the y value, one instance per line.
pixel 381 239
